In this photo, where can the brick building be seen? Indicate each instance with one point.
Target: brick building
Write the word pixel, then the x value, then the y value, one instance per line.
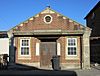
pixel 36 40
pixel 93 21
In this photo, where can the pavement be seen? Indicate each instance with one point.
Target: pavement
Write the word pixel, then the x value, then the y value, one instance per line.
pixel 89 72
pixel 17 71
pixel 94 71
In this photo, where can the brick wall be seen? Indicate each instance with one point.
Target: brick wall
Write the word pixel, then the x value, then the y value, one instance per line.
pixel 63 58
pixel 33 57
pixel 58 22
pixel 94 22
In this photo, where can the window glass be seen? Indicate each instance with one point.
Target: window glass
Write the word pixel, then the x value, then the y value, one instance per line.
pixel 25 47
pixel 72 48
pixel 93 15
pixel 47 18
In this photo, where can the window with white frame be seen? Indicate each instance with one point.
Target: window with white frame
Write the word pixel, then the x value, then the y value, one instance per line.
pixel 71 46
pixel 48 19
pixel 25 44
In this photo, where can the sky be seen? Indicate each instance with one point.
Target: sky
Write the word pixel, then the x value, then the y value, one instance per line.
pixel 13 12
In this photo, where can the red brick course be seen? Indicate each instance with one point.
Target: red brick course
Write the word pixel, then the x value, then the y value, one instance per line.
pixel 57 23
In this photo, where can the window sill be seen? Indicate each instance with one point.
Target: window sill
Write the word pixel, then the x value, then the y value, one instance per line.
pixel 24 57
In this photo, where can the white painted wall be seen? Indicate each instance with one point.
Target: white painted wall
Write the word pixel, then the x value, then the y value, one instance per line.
pixel 58 49
pixel 37 49
pixel 4 46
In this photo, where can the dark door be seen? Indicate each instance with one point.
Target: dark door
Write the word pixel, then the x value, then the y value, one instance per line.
pixel 48 49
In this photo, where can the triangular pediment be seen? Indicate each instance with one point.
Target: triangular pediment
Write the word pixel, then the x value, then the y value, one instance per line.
pixel 60 22
pixel 47 10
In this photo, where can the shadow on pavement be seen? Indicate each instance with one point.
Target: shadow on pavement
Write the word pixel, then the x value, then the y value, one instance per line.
pixel 22 67
pixel 24 70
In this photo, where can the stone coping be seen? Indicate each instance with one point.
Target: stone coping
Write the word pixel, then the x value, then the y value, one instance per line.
pixel 48 32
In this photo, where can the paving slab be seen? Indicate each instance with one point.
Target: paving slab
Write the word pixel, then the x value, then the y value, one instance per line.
pixel 89 72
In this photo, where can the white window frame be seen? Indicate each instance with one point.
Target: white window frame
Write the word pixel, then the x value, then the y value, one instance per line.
pixel 45 20
pixel 24 46
pixel 71 46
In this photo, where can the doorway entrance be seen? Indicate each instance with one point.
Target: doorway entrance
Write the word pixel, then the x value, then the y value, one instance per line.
pixel 47 50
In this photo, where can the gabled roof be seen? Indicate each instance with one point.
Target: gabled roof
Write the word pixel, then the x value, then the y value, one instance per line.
pixel 94 8
pixel 3 32
pixel 47 10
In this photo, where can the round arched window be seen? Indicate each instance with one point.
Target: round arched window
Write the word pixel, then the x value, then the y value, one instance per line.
pixel 47 19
